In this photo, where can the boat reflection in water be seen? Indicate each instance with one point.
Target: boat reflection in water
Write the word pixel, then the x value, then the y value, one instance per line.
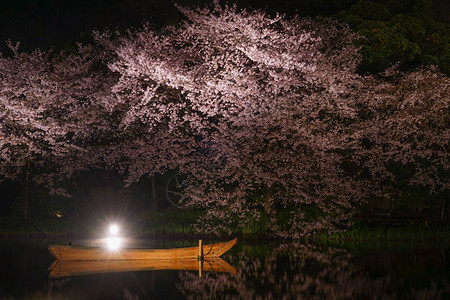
pixel 73 268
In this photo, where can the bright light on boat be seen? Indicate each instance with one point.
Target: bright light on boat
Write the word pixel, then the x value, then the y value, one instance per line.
pixel 114 229
pixel 113 243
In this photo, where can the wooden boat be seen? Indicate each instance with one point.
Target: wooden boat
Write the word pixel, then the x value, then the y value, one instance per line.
pixel 84 267
pixel 67 253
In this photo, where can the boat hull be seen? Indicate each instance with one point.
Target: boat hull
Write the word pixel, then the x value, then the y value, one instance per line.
pixel 70 253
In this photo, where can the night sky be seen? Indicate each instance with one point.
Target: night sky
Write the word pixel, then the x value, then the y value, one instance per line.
pixel 58 23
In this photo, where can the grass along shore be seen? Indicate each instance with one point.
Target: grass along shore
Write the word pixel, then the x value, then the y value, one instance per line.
pixel 181 223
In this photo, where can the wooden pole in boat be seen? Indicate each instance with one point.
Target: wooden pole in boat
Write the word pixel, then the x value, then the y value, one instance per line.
pixel 200 250
pixel 200 258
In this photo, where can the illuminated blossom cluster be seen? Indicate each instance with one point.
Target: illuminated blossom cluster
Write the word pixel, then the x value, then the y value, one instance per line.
pixel 404 132
pixel 249 106
pixel 49 112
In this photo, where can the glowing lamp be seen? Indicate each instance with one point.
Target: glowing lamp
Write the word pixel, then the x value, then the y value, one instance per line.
pixel 114 229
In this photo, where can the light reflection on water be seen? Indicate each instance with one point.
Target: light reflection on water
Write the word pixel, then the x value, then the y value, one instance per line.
pixel 271 270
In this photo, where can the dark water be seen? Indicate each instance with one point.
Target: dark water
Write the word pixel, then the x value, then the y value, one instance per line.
pixel 265 270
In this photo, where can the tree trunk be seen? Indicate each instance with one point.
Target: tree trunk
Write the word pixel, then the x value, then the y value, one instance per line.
pixel 154 199
pixel 268 202
pixel 26 196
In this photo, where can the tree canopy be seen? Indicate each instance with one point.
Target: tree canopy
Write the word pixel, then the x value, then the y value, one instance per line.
pixel 257 112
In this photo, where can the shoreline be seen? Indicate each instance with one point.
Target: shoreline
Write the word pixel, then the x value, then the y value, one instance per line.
pixel 362 234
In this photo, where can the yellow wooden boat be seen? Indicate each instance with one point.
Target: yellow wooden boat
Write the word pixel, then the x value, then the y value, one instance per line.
pixel 73 253
pixel 85 267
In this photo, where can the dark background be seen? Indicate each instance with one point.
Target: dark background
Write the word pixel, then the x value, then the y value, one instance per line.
pixel 46 23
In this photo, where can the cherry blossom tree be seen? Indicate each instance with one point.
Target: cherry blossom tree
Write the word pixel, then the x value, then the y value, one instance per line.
pixel 401 139
pixel 253 108
pixel 259 113
pixel 48 114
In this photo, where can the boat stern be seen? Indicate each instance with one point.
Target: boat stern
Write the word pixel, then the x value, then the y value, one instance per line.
pixel 52 251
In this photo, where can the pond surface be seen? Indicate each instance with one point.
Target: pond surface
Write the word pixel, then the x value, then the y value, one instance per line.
pixel 263 270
